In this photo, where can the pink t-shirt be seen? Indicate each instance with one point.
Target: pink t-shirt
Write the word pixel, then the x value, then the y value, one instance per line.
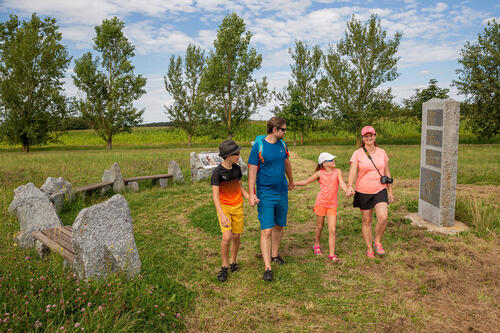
pixel 329 185
pixel 368 180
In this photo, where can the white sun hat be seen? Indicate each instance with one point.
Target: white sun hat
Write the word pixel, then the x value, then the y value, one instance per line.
pixel 325 157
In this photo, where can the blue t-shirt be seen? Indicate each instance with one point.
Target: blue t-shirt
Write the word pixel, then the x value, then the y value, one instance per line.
pixel 271 173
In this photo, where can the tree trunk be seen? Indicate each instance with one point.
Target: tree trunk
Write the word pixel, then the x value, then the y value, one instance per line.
pixel 26 147
pixel 229 136
pixel 294 142
pixel 301 139
pixel 109 146
pixel 189 140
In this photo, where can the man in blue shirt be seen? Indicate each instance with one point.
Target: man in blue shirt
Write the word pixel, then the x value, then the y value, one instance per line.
pixel 268 172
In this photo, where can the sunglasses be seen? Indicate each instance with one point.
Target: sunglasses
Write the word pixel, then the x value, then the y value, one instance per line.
pixel 281 128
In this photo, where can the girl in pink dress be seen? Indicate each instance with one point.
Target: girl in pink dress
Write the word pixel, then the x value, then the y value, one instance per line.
pixel 329 179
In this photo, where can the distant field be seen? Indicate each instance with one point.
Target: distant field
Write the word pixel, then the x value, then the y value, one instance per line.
pixel 389 132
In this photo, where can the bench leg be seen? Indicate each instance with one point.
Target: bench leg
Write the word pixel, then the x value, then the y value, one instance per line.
pixel 163 182
pixel 42 250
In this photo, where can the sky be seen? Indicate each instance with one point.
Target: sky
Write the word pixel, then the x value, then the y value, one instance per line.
pixel 434 32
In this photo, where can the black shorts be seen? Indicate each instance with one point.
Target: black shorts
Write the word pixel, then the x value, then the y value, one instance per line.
pixel 368 201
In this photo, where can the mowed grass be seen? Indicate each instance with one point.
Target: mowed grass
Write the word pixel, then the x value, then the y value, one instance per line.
pixel 426 283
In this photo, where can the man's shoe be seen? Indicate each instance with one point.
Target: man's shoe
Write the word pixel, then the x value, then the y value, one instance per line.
pixel 278 260
pixel 268 275
pixel 234 267
pixel 222 275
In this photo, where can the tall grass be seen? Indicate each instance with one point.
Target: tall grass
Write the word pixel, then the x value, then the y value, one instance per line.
pixel 483 216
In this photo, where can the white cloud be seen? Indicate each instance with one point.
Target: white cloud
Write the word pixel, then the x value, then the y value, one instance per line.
pixel 154 100
pixel 413 52
pixel 425 72
pixel 490 19
pixel 439 7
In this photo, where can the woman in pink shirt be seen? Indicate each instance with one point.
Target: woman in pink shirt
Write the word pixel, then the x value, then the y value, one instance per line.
pixel 372 190
pixel 329 179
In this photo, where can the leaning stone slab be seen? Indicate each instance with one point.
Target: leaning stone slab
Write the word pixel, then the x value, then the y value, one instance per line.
pixel 175 170
pixel 103 240
pixel 34 211
pixel 114 175
pixel 133 186
pixel 58 190
pixel 163 182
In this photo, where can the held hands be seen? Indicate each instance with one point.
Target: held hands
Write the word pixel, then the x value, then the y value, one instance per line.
pixel 390 197
pixel 350 191
pixel 291 186
pixel 253 200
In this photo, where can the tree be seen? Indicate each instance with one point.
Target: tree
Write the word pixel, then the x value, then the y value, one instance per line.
pixel 109 84
pixel 232 92
pixel 298 120
pixel 479 81
pixel 413 104
pixel 188 111
pixel 306 72
pixel 32 66
pixel 362 61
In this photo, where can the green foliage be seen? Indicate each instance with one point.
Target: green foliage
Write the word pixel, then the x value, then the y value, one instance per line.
pixel 298 120
pixel 362 61
pixel 413 104
pixel 479 81
pixel 188 110
pixel 32 66
pixel 110 92
pixel 305 83
pixel 233 94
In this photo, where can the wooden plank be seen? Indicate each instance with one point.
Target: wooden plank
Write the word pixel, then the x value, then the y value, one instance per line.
pixel 66 230
pixel 59 238
pixel 91 187
pixel 139 178
pixel 54 246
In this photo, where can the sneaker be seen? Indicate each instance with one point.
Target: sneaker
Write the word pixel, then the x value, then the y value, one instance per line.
pixel 370 254
pixel 268 275
pixel 222 275
pixel 378 249
pixel 334 259
pixel 278 260
pixel 234 267
pixel 317 250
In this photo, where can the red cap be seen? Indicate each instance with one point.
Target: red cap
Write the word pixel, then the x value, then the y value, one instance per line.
pixel 367 129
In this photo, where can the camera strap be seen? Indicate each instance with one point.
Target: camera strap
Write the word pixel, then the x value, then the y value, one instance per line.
pixel 370 157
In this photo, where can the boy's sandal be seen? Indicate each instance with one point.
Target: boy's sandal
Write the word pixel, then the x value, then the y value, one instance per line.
pixel 334 259
pixel 370 254
pixel 317 250
pixel 378 249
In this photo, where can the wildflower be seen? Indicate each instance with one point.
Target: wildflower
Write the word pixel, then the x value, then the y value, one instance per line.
pixel 31 280
pixel 6 320
pixel 83 310
pixel 77 325
pixel 27 258
pixel 47 310
pixel 162 314
pixel 100 308
pixel 156 305
pixel 53 305
pixel 177 315
pixel 61 328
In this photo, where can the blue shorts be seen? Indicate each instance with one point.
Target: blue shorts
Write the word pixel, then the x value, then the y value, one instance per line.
pixel 272 208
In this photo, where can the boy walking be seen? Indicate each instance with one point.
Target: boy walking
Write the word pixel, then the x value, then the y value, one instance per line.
pixel 228 193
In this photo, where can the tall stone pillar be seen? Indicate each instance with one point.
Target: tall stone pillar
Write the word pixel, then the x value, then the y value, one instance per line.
pixel 438 161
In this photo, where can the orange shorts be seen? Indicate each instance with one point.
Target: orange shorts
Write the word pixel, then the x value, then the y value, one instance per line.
pixel 322 211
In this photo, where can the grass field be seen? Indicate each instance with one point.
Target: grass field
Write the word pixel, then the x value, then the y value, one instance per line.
pixel 389 132
pixel 426 282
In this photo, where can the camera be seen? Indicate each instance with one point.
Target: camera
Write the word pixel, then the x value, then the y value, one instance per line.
pixel 386 180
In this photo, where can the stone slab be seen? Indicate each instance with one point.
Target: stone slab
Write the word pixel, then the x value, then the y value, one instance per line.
pixel 418 221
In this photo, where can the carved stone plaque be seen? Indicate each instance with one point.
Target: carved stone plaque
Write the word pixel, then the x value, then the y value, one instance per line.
pixel 435 118
pixel 430 186
pixel 434 138
pixel 433 157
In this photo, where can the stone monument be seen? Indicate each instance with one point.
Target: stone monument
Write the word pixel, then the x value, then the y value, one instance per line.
pixel 438 161
pixel 203 163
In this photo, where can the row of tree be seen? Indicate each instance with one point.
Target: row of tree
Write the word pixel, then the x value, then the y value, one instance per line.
pixel 343 83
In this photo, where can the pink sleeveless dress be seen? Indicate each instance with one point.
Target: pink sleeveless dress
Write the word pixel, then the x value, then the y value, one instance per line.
pixel 329 185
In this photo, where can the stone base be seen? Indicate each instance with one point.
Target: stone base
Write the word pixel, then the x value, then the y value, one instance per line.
pixel 418 221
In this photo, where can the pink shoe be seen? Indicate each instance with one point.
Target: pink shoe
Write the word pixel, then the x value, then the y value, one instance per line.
pixel 370 254
pixel 334 259
pixel 317 250
pixel 378 249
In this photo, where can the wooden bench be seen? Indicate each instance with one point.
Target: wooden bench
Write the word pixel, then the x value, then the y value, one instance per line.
pixel 58 240
pixel 91 187
pixel 154 177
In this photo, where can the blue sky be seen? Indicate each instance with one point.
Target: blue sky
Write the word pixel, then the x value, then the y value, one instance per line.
pixel 433 34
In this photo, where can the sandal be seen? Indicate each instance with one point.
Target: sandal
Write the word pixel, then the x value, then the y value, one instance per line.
pixel 334 259
pixel 378 249
pixel 317 250
pixel 370 254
